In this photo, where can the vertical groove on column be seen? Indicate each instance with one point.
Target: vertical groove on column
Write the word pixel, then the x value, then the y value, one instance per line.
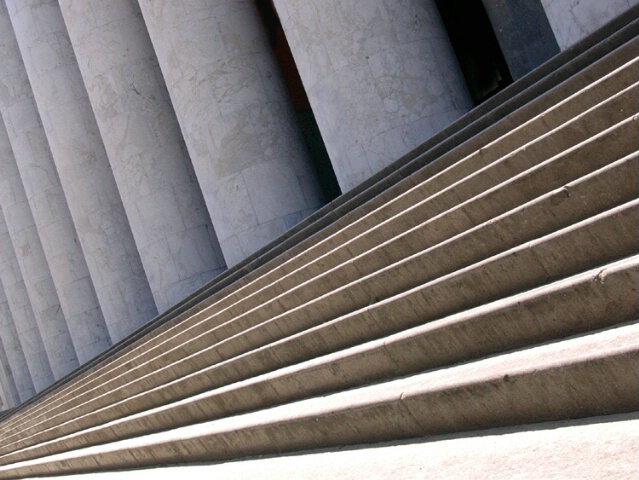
pixel 381 79
pixel 10 392
pixel 26 324
pixel 48 204
pixel 87 180
pixel 13 348
pixel 33 265
pixel 236 120
pixel 163 202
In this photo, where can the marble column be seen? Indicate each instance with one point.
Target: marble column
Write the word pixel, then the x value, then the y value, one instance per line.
pixel 160 193
pixel 80 158
pixel 25 321
pixel 13 349
pixel 33 265
pixel 572 20
pixel 237 122
pixel 10 398
pixel 381 77
pixel 48 204
pixel 523 32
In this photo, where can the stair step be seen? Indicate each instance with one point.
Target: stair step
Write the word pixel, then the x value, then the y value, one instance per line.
pixel 626 50
pixel 567 307
pixel 592 242
pixel 589 375
pixel 591 449
pixel 581 158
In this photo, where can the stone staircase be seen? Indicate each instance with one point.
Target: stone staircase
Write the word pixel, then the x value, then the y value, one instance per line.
pixel 493 287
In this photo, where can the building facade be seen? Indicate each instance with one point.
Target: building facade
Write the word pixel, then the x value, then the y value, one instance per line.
pixel 148 146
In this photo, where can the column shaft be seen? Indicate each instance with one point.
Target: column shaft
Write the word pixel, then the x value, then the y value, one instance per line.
pixel 48 204
pixel 163 202
pixel 83 167
pixel 13 349
pixel 33 264
pixel 25 322
pixel 381 77
pixel 10 397
pixel 572 20
pixel 523 33
pixel 236 120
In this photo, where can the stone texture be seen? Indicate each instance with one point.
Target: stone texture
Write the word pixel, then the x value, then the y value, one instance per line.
pixel 9 397
pixel 523 33
pixel 15 359
pixel 83 167
pixel 237 122
pixel 381 77
pixel 163 202
pixel 40 374
pixel 48 203
pixel 33 265
pixel 572 20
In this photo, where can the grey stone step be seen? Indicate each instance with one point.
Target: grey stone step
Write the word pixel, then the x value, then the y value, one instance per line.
pixel 587 449
pixel 598 54
pixel 377 235
pixel 566 307
pixel 574 81
pixel 589 375
pixel 517 187
pixel 617 226
pixel 67 392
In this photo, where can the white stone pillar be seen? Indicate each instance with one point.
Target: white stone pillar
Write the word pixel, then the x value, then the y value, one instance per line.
pixel 572 20
pixel 13 349
pixel 33 265
pixel 83 167
pixel 236 119
pixel 25 322
pixel 48 204
pixel 163 202
pixel 381 77
pixel 10 397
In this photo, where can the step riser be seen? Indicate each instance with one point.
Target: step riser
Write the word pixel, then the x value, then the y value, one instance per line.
pixel 283 307
pixel 581 161
pixel 552 312
pixel 582 386
pixel 615 144
pixel 592 93
pixel 579 248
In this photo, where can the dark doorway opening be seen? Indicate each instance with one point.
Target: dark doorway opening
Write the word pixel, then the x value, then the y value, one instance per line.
pixel 299 99
pixel 480 57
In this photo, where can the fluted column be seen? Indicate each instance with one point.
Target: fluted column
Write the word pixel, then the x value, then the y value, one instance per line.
pixel 83 167
pixel 237 122
pixel 163 202
pixel 33 265
pixel 48 204
pixel 10 397
pixel 13 349
pixel 381 77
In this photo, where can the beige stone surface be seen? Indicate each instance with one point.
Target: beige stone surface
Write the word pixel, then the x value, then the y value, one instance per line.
pixel 592 449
